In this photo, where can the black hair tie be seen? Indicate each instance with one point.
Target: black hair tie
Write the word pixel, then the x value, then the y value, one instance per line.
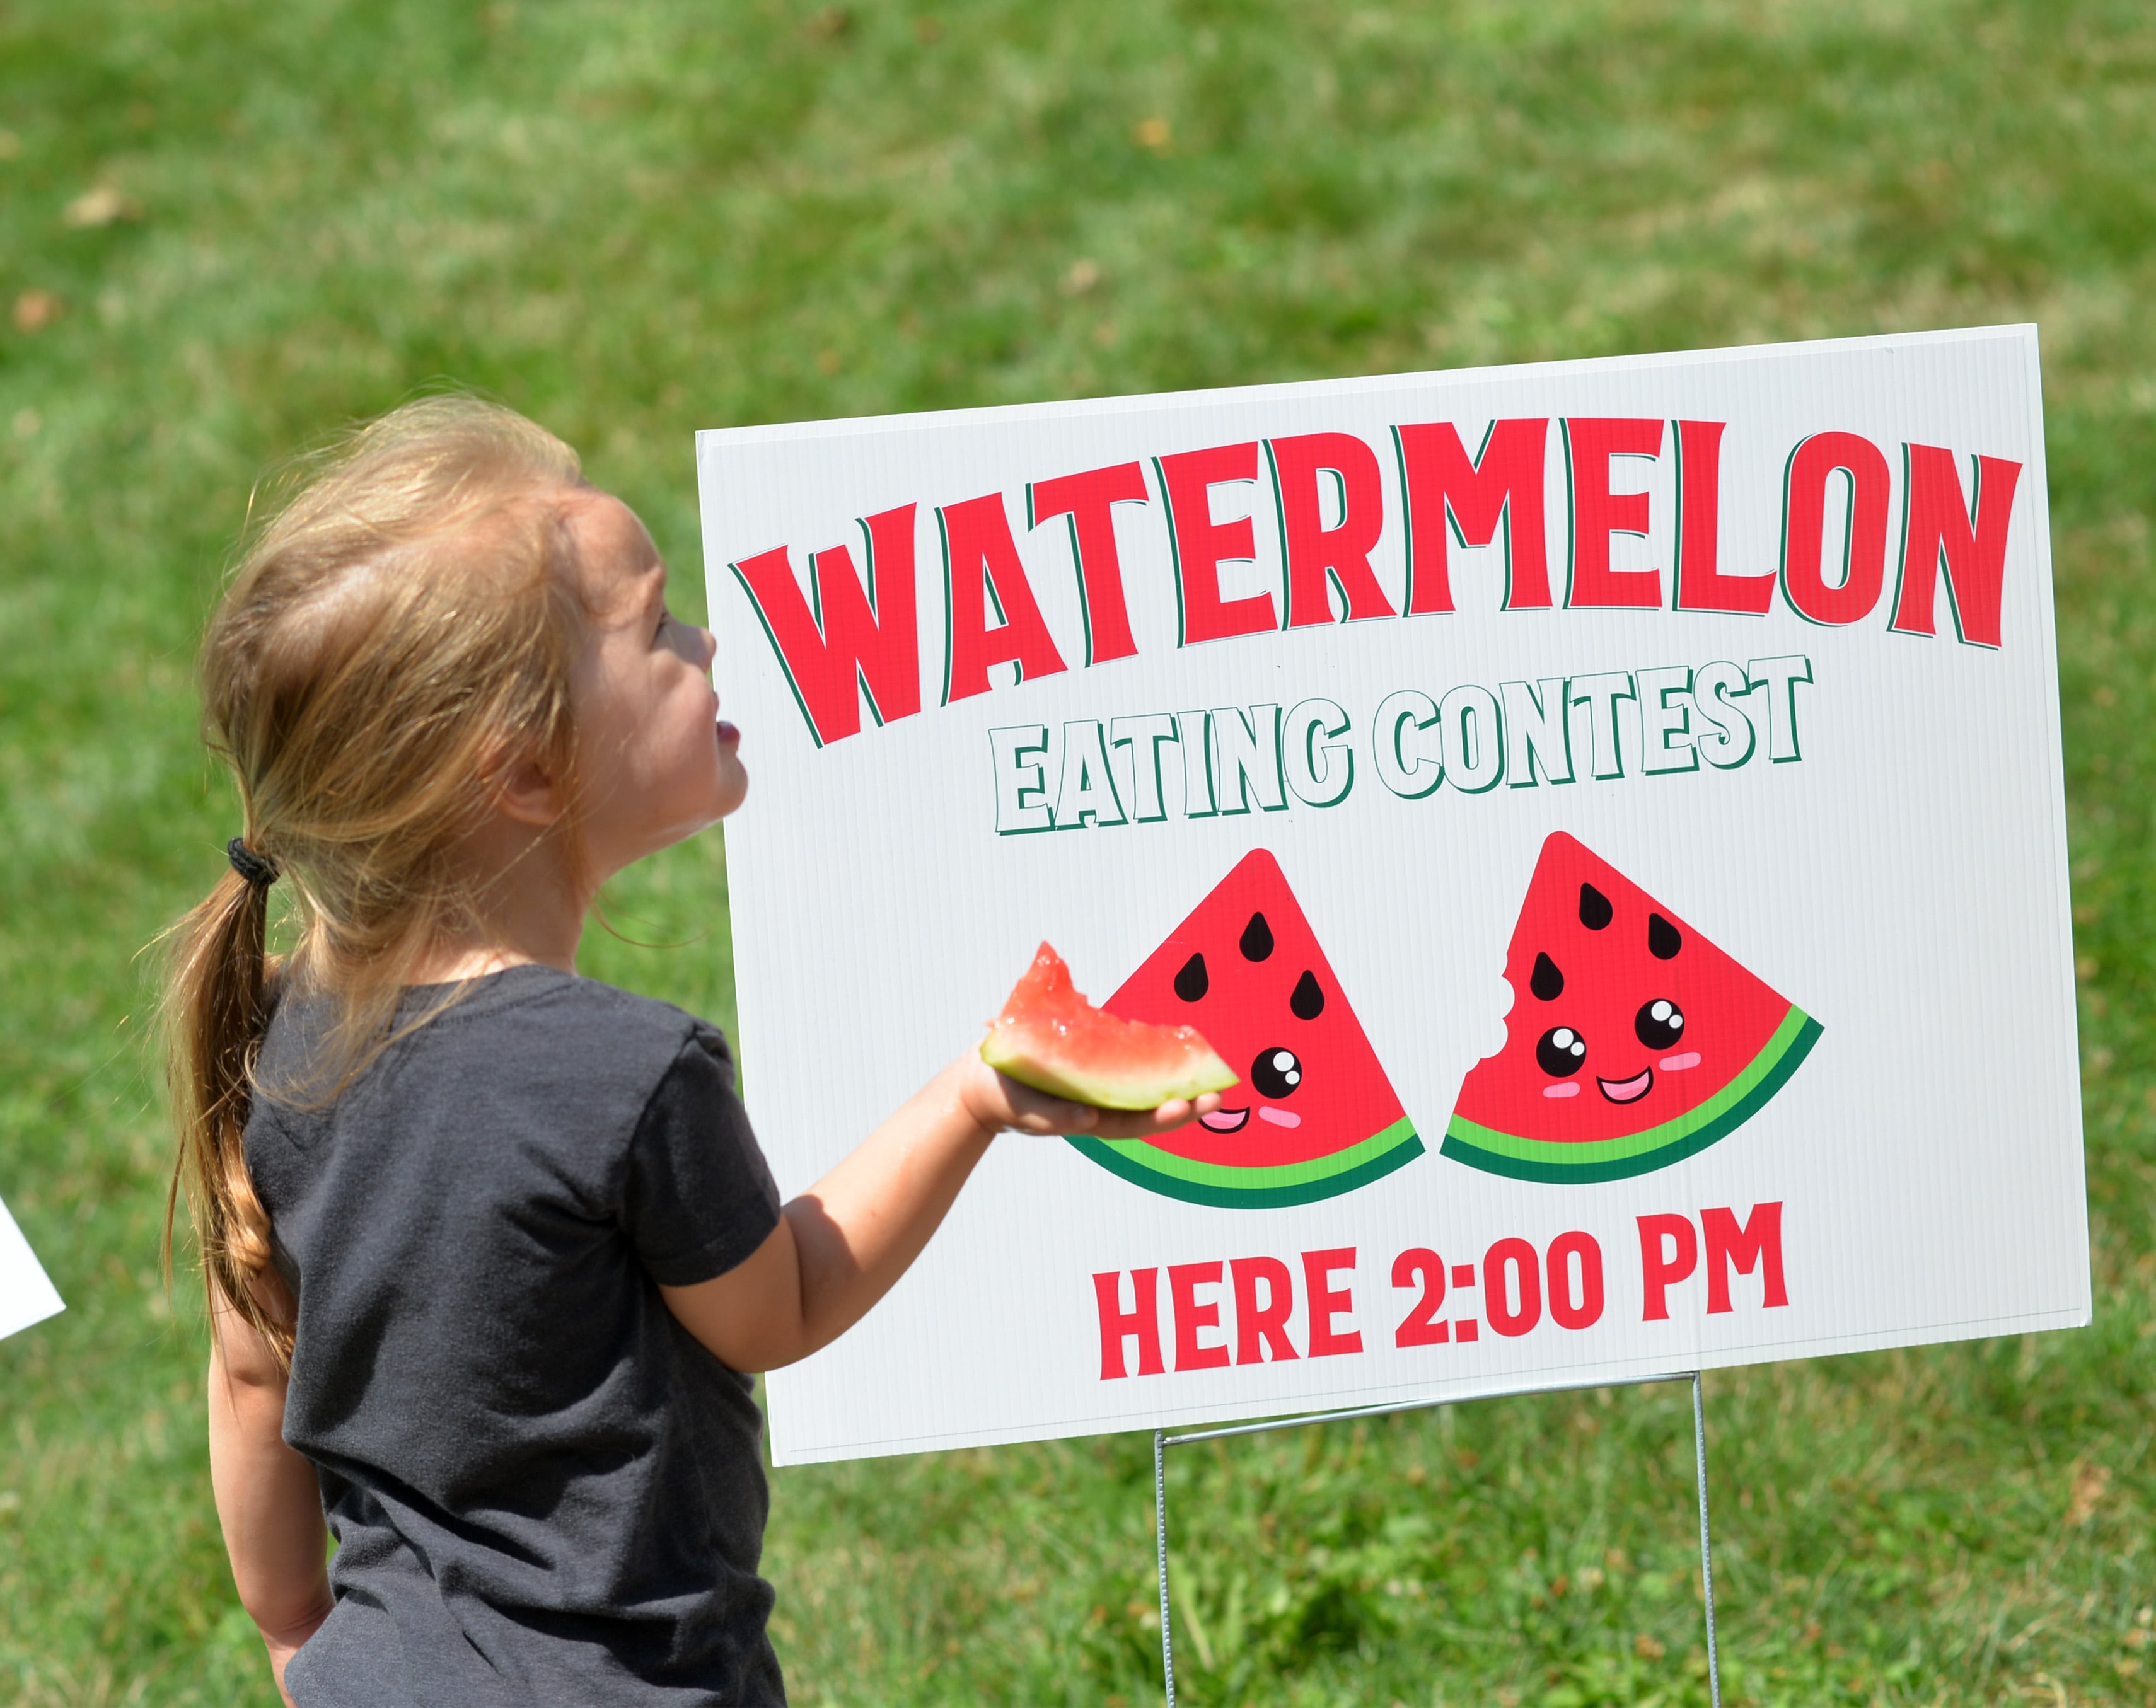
pixel 259 871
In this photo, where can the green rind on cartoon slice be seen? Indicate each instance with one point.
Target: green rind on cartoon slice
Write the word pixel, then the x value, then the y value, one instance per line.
pixel 1657 1146
pixel 1255 1188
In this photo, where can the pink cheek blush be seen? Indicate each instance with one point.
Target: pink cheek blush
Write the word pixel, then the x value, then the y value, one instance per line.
pixel 1565 1088
pixel 1278 1117
pixel 1678 1063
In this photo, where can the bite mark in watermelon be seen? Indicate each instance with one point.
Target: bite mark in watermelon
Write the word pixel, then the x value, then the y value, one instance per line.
pixel 1315 1116
pixel 1633 1041
pixel 1051 1038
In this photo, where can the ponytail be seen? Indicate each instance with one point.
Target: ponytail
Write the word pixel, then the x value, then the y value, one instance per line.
pixel 216 1010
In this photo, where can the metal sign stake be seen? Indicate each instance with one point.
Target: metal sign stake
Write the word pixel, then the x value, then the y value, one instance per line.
pixel 1706 1545
pixel 1162 1441
pixel 1160 1544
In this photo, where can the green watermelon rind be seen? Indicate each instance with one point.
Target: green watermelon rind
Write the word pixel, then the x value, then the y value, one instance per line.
pixel 1255 1188
pixel 1655 1147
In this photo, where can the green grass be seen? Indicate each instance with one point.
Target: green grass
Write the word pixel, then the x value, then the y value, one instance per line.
pixel 637 218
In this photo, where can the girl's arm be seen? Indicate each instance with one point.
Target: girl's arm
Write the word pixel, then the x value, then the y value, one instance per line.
pixel 267 1500
pixel 839 1247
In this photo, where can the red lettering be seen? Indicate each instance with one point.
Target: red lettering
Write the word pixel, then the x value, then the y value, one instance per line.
pixel 1118 1325
pixel 1598 513
pixel 1448 497
pixel 1584 1309
pixel 1201 545
pixel 1420 1327
pixel 1262 1327
pixel 1326 1304
pixel 1701 584
pixel 1812 465
pixel 1184 1281
pixel 1663 1268
pixel 1313 551
pixel 1943 530
pixel 855 640
pixel 1088 500
pixel 1757 1243
pixel 980 564
pixel 1498 1287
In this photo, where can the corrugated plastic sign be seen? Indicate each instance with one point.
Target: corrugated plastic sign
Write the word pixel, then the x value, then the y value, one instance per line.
pixel 1609 813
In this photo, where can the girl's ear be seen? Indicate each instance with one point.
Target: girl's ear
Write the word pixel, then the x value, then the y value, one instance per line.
pixel 525 792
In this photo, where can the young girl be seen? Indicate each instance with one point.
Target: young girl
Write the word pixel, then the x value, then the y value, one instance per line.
pixel 488 1245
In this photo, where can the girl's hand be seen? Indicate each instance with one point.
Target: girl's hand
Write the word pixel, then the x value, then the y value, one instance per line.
pixel 995 1101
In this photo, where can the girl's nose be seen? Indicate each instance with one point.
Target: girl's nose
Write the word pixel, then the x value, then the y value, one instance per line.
pixel 708 644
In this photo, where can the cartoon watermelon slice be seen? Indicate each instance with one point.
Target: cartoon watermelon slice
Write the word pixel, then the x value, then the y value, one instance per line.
pixel 1314 1115
pixel 1633 1041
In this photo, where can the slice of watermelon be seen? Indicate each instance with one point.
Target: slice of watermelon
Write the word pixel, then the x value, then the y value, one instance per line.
pixel 1317 1116
pixel 1633 1041
pixel 1051 1038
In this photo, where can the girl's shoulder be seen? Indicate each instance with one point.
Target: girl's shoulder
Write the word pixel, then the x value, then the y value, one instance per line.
pixel 531 1079
pixel 548 1033
pixel 552 1022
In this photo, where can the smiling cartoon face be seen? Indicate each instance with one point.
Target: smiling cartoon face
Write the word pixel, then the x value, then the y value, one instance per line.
pixel 1246 971
pixel 1632 1039
pixel 1618 1028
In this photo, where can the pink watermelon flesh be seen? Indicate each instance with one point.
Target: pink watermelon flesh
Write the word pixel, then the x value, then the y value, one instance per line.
pixel 1633 1040
pixel 1051 1038
pixel 1314 1115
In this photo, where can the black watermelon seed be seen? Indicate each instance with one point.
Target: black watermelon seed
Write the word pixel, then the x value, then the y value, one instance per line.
pixel 1594 909
pixel 1257 938
pixel 1308 1002
pixel 1545 982
pixel 1191 984
pixel 1664 940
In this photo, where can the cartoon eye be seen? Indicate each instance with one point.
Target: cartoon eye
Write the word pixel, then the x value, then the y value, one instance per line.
pixel 1659 1023
pixel 1191 984
pixel 1561 1052
pixel 1276 1072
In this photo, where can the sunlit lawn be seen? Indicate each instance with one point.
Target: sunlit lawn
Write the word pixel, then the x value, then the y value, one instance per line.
pixel 224 227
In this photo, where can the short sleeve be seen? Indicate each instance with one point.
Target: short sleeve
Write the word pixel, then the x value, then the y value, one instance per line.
pixel 698 1198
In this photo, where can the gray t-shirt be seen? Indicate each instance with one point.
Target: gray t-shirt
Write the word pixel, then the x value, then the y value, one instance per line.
pixel 543 1488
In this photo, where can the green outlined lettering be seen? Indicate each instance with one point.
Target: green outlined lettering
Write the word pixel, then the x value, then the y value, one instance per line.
pixel 1086 795
pixel 1247 760
pixel 1779 677
pixel 1470 738
pixel 1538 731
pixel 1144 735
pixel 1017 752
pixel 1729 738
pixel 1316 783
pixel 1599 695
pixel 1409 778
pixel 1661 719
pixel 1199 797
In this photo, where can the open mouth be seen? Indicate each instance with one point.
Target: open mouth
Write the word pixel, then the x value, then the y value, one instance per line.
pixel 1225 1121
pixel 1627 1090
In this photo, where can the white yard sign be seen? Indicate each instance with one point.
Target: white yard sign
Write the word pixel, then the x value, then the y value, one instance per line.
pixel 27 1296
pixel 1609 812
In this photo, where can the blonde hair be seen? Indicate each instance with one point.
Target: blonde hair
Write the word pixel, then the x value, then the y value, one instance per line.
pixel 401 628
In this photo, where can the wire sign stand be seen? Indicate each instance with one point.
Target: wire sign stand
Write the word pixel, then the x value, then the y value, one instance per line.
pixel 1162 1441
